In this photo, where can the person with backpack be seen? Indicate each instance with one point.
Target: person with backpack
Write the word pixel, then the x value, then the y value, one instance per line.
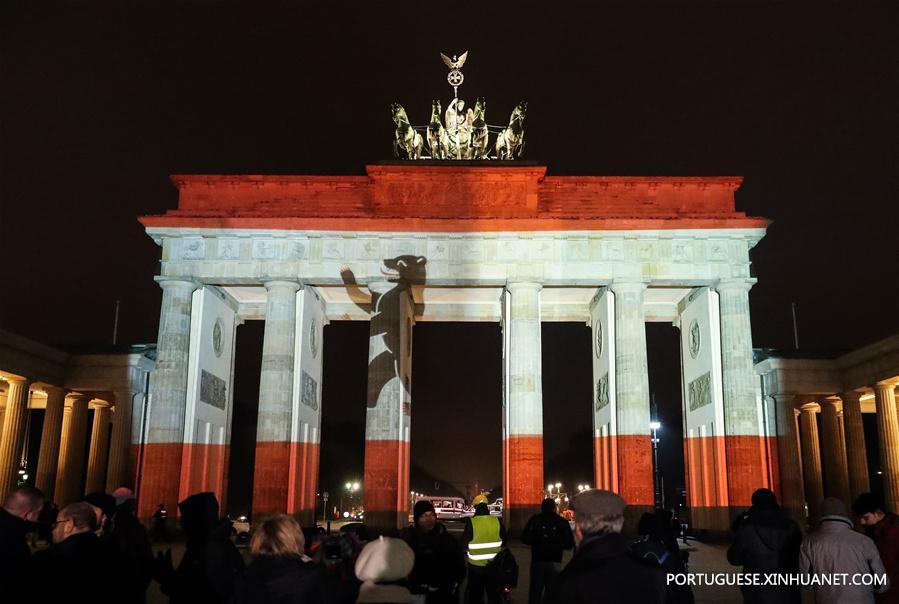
pixel 549 535
pixel 483 535
pixel 657 544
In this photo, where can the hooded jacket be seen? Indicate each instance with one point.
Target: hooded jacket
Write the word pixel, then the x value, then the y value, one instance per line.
pixel 836 548
pixel 211 564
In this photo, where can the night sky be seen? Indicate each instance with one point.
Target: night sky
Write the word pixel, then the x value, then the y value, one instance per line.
pixel 101 104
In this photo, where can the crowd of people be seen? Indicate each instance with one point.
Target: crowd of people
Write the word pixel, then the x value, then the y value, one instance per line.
pixel 767 542
pixel 99 552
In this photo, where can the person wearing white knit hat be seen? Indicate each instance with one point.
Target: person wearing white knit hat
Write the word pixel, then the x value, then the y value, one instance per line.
pixel 380 564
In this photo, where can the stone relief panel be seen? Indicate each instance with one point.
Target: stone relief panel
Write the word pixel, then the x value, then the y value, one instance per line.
pixel 309 391
pixel 229 249
pixel 213 390
pixel 602 392
pixel 264 249
pixel 193 248
pixel 700 391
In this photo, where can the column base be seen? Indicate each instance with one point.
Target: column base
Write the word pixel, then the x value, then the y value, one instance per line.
pixel 271 477
pixel 159 480
pixel 715 519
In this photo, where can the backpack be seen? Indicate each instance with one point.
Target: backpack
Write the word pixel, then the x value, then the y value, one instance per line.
pixel 505 568
pixel 548 532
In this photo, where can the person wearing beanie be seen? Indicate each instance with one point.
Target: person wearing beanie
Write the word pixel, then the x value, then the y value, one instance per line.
pixel 766 540
pixel 549 535
pixel 883 528
pixel 439 564
pixel 381 565
pixel 836 548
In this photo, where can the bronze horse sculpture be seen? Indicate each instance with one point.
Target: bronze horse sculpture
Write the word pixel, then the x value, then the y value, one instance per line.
pixel 510 142
pixel 480 135
pixel 405 138
pixel 438 142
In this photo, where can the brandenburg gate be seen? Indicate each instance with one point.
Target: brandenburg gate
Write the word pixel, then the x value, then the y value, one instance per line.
pixel 496 241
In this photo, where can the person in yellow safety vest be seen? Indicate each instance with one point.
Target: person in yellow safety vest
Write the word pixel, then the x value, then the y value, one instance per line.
pixel 484 535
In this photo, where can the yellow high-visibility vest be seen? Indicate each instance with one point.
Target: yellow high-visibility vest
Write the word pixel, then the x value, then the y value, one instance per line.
pixel 486 542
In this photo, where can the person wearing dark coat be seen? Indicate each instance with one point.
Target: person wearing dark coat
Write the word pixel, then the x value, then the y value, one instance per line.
pixel 280 572
pixel 766 540
pixel 77 567
pixel 883 528
pixel 211 564
pixel 439 563
pixel 549 535
pixel 18 516
pixel 657 544
pixel 603 569
pixel 131 545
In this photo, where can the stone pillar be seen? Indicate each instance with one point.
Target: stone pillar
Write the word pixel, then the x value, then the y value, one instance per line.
pixel 634 443
pixel 744 440
pixel 120 471
pixel 161 453
pixel 856 453
pixel 71 457
pixel 888 433
pixel 271 477
pixel 99 451
pixel 524 437
pixel 388 418
pixel 792 497
pixel 836 473
pixel 13 435
pixel 811 462
pixel 48 458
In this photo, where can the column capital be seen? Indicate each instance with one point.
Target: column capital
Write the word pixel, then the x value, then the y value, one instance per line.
pixel 79 398
pixel 884 386
pixel 850 395
pixel 740 284
pixel 51 389
pixel 532 285
pixel 622 286
pixel 810 407
pixel 282 283
pixel 22 382
pixel 167 282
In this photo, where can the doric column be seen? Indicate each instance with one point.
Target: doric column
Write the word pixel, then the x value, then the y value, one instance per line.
pixel 634 444
pixel 811 462
pixel 71 455
pixel 99 451
pixel 792 497
pixel 161 454
pixel 13 435
pixel 271 478
pixel 744 440
pixel 888 432
pixel 48 459
pixel 836 473
pixel 120 471
pixel 388 417
pixel 524 431
pixel 856 453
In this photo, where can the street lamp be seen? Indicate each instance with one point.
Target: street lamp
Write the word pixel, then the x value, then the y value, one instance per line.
pixel 658 490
